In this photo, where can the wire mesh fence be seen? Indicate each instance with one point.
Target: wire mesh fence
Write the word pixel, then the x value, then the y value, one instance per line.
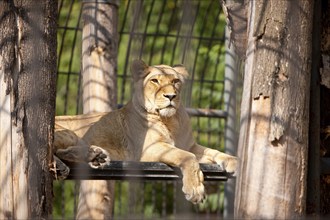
pixel 189 32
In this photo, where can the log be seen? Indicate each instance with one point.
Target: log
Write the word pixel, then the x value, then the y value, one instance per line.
pixel 273 142
pixel 99 86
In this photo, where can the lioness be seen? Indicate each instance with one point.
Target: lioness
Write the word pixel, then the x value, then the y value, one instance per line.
pixel 153 126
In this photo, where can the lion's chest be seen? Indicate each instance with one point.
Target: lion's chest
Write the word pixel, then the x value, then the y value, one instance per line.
pixel 162 131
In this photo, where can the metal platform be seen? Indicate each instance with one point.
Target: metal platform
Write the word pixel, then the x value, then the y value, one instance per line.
pixel 129 170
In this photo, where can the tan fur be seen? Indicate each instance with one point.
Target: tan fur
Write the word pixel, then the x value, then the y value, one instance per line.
pixel 153 126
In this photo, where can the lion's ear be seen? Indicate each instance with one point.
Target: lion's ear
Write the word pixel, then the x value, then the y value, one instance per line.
pixel 139 69
pixel 181 70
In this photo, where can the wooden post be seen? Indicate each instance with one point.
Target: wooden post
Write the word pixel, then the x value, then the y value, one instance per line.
pixel 99 66
pixel 27 107
pixel 99 56
pixel 273 141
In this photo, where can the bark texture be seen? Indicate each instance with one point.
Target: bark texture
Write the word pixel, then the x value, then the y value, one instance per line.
pixel 273 141
pixel 27 107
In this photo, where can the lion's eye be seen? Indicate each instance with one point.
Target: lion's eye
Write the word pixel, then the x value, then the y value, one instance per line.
pixel 154 81
pixel 175 81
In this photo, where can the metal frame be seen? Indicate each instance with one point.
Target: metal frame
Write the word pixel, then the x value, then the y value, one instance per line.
pixel 130 170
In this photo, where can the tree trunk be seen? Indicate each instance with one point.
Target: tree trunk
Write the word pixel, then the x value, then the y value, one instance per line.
pixel 99 66
pixel 273 141
pixel 27 107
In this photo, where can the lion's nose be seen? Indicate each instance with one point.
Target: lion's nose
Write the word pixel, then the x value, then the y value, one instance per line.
pixel 169 96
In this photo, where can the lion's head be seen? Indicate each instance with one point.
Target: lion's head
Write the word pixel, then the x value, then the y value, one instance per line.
pixel 157 88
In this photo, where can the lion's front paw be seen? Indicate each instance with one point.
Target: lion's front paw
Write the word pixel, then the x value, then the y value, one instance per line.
pixel 62 170
pixel 229 164
pixel 193 187
pixel 98 157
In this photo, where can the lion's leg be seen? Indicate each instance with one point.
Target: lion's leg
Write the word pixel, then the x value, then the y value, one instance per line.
pixel 208 155
pixel 65 138
pixel 192 175
pixel 74 154
pixel 69 147
pixel 62 170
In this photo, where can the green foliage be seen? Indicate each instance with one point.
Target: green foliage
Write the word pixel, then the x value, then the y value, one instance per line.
pixel 69 57
pixel 64 192
pixel 140 197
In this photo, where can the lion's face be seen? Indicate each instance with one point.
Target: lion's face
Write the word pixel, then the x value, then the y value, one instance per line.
pixel 157 88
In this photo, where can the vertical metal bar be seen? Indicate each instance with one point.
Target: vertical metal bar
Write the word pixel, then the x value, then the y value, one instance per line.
pixel 137 12
pixel 190 14
pixel 64 33
pixel 170 24
pixel 142 196
pixel 72 57
pixel 200 78
pixel 145 32
pixel 75 196
pixel 177 36
pixel 174 199
pixel 206 62
pixel 164 198
pixel 153 196
pixel 188 34
pixel 123 25
pixel 313 176
pixel 79 95
pixel 60 54
pixel 123 74
pixel 160 17
pixel 63 200
pixel 215 73
pixel 230 127
pixel 120 190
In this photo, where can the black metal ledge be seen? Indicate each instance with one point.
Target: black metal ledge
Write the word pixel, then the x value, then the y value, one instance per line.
pixel 128 170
